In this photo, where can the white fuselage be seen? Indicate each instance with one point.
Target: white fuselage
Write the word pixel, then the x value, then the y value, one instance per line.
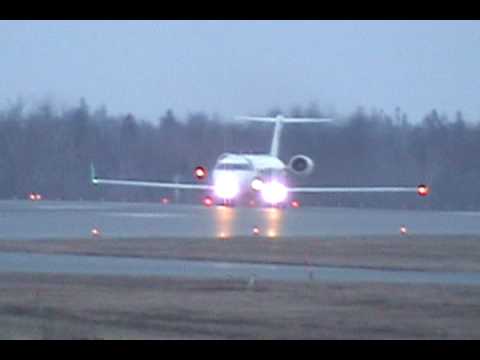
pixel 233 173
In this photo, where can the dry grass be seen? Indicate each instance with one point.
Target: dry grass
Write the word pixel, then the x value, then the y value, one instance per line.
pixel 86 307
pixel 82 307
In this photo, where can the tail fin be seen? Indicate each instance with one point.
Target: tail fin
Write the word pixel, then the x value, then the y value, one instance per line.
pixel 279 120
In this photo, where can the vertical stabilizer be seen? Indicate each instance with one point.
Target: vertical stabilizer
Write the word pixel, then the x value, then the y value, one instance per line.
pixel 279 120
pixel 277 131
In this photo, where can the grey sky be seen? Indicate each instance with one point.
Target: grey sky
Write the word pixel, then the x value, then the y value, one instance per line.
pixel 244 67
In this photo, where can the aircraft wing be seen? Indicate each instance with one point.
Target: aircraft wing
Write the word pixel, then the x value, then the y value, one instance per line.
pixel 99 181
pixel 381 189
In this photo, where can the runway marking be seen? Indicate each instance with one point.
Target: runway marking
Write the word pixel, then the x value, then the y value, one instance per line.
pixel 233 266
pixel 148 215
pixel 66 207
pixel 465 213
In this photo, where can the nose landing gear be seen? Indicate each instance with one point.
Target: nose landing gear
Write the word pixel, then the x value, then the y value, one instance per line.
pixel 226 203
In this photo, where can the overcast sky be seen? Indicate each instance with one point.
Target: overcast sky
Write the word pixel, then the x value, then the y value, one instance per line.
pixel 244 67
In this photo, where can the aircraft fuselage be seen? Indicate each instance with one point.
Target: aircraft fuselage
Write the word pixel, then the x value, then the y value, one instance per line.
pixel 235 176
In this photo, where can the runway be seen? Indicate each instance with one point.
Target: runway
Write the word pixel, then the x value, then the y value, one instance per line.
pixel 24 220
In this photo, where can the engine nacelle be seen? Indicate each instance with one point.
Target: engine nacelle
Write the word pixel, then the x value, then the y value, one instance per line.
pixel 301 165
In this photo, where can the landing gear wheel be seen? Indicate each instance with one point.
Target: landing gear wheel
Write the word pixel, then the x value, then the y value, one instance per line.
pixel 226 203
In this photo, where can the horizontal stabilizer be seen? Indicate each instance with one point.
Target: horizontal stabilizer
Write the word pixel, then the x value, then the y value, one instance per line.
pixel 279 121
pixel 282 119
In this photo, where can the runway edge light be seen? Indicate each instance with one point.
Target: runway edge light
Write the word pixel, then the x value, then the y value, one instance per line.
pixel 207 201
pixel 295 203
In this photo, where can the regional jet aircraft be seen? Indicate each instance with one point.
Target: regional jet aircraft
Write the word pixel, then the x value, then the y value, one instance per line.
pixel 261 177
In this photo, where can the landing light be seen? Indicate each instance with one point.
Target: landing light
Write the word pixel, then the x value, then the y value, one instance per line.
pixel 403 230
pixel 226 186
pixel 256 230
pixel 295 204
pixel 274 192
pixel 257 184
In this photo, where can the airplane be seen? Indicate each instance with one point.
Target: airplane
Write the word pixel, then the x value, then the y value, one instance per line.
pixel 260 177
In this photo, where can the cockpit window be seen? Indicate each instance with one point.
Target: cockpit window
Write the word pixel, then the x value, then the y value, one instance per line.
pixel 233 167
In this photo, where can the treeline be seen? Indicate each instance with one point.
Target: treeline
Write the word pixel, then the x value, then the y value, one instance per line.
pixel 49 151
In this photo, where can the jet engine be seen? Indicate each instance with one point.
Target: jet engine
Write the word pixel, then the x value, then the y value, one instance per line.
pixel 301 165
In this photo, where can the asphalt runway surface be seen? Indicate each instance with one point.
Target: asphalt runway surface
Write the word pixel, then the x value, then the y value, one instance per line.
pixel 25 220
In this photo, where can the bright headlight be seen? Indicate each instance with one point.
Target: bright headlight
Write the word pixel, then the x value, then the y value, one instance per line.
pixel 274 192
pixel 256 184
pixel 226 186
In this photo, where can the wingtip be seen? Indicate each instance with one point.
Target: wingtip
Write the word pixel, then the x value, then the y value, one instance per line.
pixel 93 177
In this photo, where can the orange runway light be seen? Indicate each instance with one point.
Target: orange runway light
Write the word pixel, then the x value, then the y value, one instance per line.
pixel 165 201
pixel 272 233
pixel 32 197
pixel 208 201
pixel 295 204
pixel 38 197
pixel 200 172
